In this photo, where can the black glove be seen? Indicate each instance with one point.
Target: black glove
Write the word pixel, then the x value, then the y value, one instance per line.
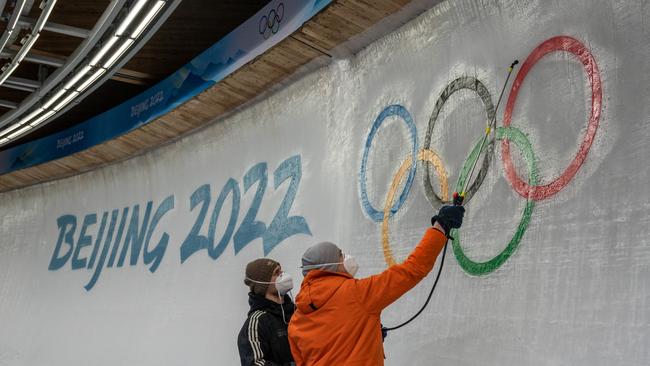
pixel 384 332
pixel 449 217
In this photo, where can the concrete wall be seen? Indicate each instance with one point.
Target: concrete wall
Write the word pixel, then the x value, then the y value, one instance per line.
pixel 141 263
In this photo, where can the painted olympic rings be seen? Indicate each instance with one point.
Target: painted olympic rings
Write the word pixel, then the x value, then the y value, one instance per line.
pixel 269 24
pixel 528 189
pixel 470 83
pixel 481 268
pixel 571 45
pixel 392 110
pixel 423 155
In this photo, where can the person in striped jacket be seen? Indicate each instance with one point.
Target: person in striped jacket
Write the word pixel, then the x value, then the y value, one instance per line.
pixel 263 340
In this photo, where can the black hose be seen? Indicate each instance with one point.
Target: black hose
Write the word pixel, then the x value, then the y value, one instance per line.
pixel 442 262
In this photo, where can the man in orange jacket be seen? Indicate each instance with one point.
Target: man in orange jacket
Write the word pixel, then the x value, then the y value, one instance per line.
pixel 337 317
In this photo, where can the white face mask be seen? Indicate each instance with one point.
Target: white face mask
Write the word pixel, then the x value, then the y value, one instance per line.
pixel 349 263
pixel 283 283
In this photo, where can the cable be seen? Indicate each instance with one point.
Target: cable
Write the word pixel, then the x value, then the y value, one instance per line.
pixel 442 262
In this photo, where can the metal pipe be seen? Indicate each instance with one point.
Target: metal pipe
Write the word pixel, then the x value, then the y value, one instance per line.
pixel 68 30
pixel 8 104
pixel 24 82
pixel 34 57
pixel 17 87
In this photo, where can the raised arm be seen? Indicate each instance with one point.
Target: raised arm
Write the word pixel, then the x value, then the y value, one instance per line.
pixel 378 291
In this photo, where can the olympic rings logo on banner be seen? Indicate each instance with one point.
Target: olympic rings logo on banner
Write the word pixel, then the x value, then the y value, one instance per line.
pixel 529 189
pixel 269 24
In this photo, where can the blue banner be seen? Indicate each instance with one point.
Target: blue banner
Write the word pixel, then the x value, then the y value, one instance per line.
pixel 269 26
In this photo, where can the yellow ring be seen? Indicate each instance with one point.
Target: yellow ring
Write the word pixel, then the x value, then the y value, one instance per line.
pixel 423 155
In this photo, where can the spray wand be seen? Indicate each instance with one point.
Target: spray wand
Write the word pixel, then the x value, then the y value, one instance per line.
pixel 460 197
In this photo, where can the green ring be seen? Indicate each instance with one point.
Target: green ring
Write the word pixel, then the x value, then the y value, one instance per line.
pixel 482 268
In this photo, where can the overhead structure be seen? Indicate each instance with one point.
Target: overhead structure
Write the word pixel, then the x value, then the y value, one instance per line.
pixel 345 26
pixel 122 29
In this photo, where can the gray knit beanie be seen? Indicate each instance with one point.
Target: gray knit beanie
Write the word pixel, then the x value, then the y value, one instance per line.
pixel 321 253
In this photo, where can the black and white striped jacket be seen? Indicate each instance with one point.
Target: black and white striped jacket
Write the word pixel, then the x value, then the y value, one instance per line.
pixel 263 341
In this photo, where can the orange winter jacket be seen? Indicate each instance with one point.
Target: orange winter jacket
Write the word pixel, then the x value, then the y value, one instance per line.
pixel 337 317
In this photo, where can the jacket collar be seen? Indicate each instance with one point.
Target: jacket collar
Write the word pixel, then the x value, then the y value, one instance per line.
pixel 258 302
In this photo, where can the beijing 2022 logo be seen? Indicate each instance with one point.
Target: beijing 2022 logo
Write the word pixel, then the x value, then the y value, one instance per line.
pixel 270 24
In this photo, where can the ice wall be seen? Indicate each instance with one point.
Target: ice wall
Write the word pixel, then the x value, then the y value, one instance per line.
pixel 141 263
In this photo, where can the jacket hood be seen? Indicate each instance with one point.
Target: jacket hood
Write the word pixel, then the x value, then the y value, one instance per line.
pixel 317 289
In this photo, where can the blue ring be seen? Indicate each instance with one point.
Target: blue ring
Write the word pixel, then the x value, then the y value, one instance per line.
pixel 392 110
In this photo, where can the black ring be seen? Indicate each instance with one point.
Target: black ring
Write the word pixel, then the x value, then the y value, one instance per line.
pixel 463 82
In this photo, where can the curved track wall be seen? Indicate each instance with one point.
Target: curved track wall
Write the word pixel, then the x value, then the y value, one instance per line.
pixel 142 262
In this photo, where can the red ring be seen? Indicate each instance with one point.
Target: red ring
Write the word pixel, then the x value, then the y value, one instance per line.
pixel 559 43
